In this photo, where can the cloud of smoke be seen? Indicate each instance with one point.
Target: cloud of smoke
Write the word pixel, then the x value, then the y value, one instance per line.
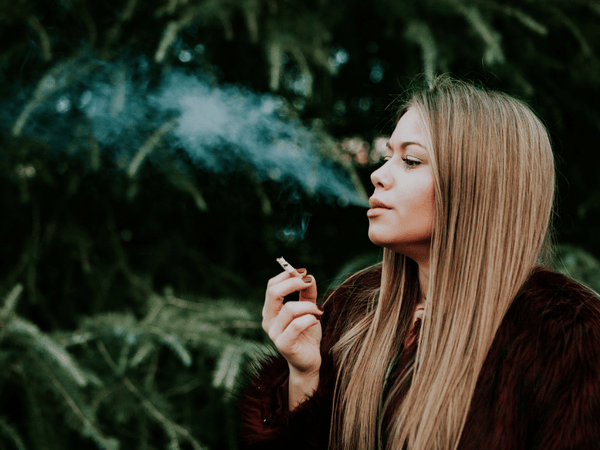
pixel 227 125
pixel 222 128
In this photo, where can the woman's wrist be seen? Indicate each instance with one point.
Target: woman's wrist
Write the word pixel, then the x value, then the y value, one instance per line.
pixel 301 386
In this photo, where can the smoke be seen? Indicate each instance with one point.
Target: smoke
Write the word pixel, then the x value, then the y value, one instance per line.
pixel 292 233
pixel 227 125
pixel 117 107
pixel 223 128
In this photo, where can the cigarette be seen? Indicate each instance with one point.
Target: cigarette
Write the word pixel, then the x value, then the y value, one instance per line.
pixel 287 266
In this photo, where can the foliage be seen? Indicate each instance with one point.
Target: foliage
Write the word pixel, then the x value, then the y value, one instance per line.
pixel 115 379
pixel 157 156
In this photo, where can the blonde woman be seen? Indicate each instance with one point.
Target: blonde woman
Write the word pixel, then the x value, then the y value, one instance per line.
pixel 459 339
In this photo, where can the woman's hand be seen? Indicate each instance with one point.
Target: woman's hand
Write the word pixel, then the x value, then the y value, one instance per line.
pixel 295 329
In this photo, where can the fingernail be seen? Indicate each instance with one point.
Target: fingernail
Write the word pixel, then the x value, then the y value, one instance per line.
pixel 301 271
pixel 321 308
pixel 307 280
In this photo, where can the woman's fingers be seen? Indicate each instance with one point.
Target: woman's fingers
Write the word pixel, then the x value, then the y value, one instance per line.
pixel 284 276
pixel 276 292
pixel 287 342
pixel 294 327
pixel 309 294
pixel 288 314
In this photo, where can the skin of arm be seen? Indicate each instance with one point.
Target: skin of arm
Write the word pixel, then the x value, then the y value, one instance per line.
pixel 301 387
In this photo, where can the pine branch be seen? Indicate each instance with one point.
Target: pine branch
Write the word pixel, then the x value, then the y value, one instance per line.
pixel 143 352
pixel 171 428
pixel 10 302
pixel 170 34
pixel 493 53
pixel 102 396
pixel 251 8
pixel 123 358
pixel 526 19
pixel 183 182
pixel 10 431
pixel 222 313
pixel 171 329
pixel 594 6
pixel 275 58
pixel 37 430
pixel 227 26
pixel 69 338
pixel 304 69
pixel 151 374
pixel 173 343
pixel 420 33
pixel 84 14
pixel 228 367
pixel 149 145
pixel 170 7
pixel 47 347
pixel 184 388
pixel 44 39
pixel 89 427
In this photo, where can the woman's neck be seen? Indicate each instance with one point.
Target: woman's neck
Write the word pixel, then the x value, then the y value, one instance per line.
pixel 423 281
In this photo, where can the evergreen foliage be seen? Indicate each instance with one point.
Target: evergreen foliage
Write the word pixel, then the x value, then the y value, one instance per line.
pixel 140 230
pixel 116 379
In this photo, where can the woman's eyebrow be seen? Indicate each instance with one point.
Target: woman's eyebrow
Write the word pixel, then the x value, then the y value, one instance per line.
pixel 406 144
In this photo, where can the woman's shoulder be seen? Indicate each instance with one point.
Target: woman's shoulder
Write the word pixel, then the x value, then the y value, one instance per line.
pixel 555 319
pixel 540 378
pixel 554 299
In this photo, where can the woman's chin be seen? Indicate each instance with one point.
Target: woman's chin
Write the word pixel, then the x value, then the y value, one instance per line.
pixel 377 238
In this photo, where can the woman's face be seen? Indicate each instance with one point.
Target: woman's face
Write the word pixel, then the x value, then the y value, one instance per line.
pixel 401 214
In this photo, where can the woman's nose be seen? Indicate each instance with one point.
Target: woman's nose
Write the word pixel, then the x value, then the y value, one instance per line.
pixel 378 177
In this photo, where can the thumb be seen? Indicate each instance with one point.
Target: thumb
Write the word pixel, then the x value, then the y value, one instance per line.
pixel 309 294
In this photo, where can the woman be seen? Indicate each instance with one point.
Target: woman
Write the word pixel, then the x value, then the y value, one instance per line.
pixel 458 339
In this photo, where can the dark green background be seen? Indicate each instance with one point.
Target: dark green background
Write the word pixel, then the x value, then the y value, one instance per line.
pixel 89 252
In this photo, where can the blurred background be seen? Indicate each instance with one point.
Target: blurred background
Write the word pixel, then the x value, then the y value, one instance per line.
pixel 157 156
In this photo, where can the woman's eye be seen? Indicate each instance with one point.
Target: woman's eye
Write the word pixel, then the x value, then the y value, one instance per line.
pixel 383 160
pixel 411 162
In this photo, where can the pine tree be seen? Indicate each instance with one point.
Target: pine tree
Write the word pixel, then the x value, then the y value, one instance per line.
pixel 156 156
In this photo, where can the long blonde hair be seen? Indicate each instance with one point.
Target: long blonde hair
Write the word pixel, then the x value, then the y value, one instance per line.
pixel 494 187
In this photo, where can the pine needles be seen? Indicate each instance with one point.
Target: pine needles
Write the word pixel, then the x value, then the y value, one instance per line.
pixel 118 353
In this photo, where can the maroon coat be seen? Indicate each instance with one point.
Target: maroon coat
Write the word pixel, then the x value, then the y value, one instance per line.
pixel 539 387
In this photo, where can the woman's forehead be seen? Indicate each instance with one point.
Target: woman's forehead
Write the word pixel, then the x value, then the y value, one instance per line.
pixel 410 130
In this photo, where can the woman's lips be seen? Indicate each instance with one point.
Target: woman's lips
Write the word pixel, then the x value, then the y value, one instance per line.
pixel 377 207
pixel 376 203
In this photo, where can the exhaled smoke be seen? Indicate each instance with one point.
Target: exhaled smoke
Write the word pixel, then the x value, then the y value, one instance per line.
pixel 219 127
pixel 294 233
pixel 223 129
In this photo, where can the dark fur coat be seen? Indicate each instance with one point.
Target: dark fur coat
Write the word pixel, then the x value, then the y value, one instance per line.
pixel 538 389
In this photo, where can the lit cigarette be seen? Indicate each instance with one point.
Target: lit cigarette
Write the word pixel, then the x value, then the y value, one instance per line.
pixel 287 267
